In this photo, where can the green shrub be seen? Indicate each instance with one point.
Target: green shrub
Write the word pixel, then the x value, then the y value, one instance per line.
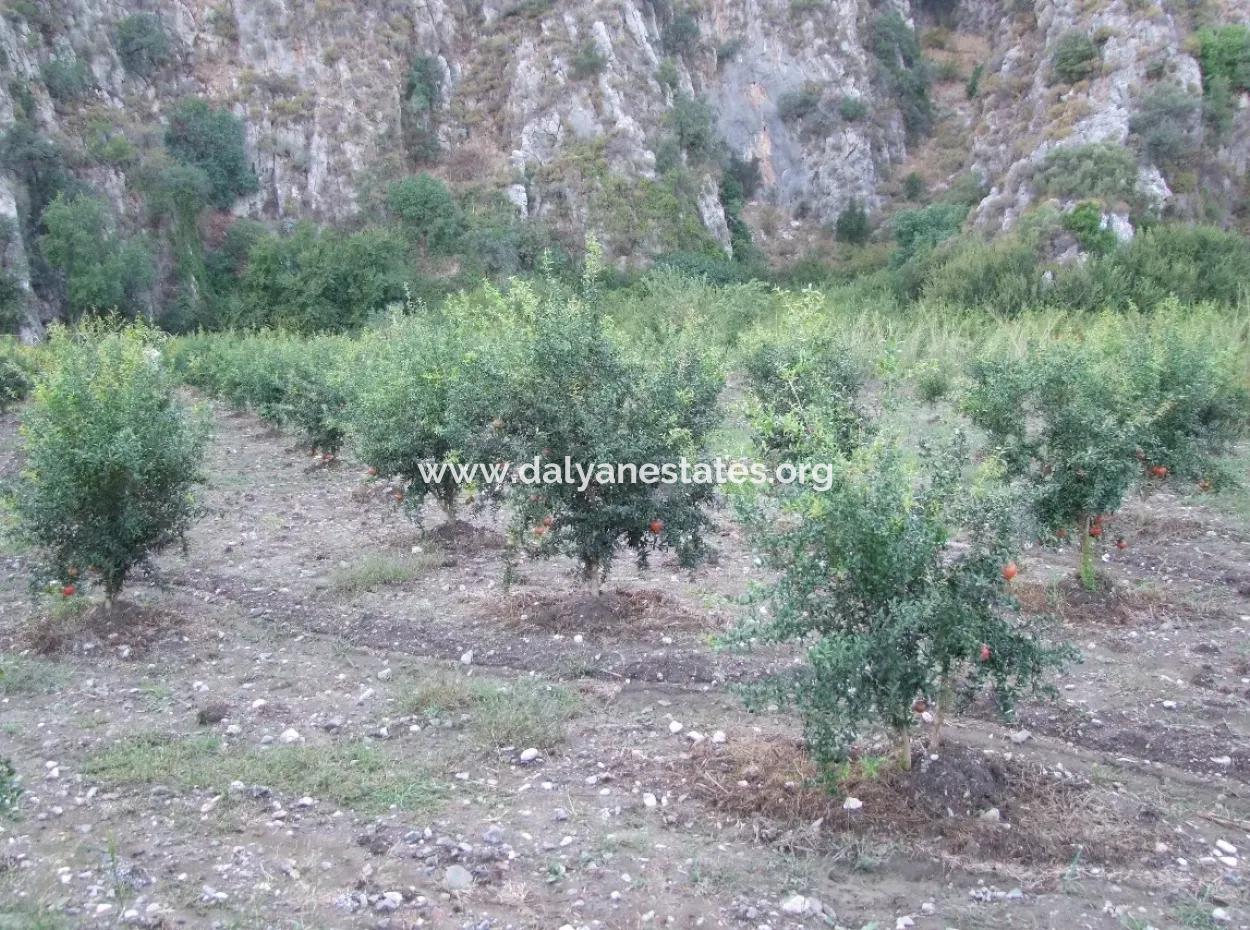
pixel 852 224
pixel 1224 54
pixel 667 75
pixel 111 457
pixel 1190 263
pixel 1075 58
pixel 427 212
pixel 38 163
pixel 905 71
pixel 10 790
pixel 887 605
pixel 681 35
pixel 1166 122
pixel 588 61
pixel 295 382
pixel 212 140
pixel 17 369
pixel 430 394
pixel 804 381
pixel 914 187
pixel 727 51
pixel 102 271
pixel 794 105
pixel 67 79
pixel 1084 424
pixel 423 95
pixel 692 123
pixel 142 43
pixel 852 109
pixel 1085 221
pixel 320 280
pixel 917 231
pixel 12 303
pixel 973 86
pixel 1099 169
pixel 1002 276
pixel 623 410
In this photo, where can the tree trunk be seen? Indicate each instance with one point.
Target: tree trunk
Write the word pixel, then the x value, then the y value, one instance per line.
pixel 595 577
pixel 904 748
pixel 1087 556
pixel 939 715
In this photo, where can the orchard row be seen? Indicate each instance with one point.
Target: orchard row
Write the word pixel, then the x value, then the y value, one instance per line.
pixel 896 579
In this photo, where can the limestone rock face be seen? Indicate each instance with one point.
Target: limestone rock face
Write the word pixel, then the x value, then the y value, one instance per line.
pixel 568 109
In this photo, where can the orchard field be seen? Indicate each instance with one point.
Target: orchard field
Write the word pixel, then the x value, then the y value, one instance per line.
pixel 996 674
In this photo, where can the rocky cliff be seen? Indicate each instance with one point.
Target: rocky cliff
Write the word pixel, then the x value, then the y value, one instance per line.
pixel 578 111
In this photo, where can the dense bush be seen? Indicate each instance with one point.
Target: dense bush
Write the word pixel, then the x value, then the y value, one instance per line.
pixel 1002 276
pixel 576 392
pixel 1085 222
pixel 320 280
pixel 692 124
pixel 67 79
pixel 916 231
pixel 852 224
pixel 427 212
pixel 111 457
pixel 804 381
pixel 16 371
pixel 794 105
pixel 431 393
pixel 587 61
pixel 1224 55
pixel 905 70
pixel 102 271
pixel 1075 57
pixel 142 43
pixel 852 109
pixel 893 581
pixel 38 163
pixel 1099 169
pixel 1085 423
pixel 423 95
pixel 1191 263
pixel 681 35
pixel 296 382
pixel 212 140
pixel 1167 124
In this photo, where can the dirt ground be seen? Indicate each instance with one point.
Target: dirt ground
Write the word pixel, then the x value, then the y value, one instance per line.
pixel 320 717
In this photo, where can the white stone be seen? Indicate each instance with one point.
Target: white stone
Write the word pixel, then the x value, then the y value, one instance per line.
pixel 852 804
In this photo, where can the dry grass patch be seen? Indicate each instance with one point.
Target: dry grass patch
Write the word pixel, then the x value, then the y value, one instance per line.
pixel 528 712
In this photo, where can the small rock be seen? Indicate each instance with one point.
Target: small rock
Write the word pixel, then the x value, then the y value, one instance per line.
pixel 801 904
pixel 1221 916
pixel 649 800
pixel 1226 847
pixel 390 901
pixel 991 816
pixel 903 923
pixel 467 658
pixel 385 675
pixel 674 726
pixel 212 713
pixel 852 804
pixel 290 735
pixel 457 878
pixel 1169 705
pixel 529 755
pixel 1020 736
pixel 719 736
